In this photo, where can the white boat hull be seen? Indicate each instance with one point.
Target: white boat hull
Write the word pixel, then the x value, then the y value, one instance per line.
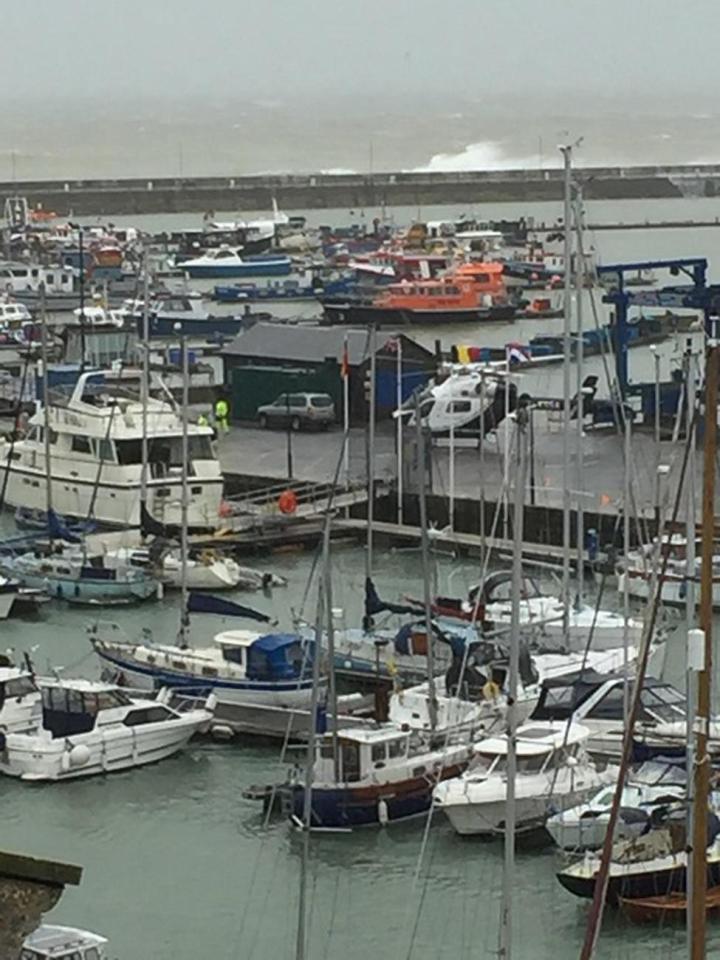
pixel 113 504
pixel 470 813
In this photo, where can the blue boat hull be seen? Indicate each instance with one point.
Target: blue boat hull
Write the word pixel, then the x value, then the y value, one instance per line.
pixel 343 808
pixel 268 268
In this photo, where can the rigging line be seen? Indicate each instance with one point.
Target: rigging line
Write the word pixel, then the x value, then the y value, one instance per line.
pixel 602 877
pixel 16 421
pixel 108 430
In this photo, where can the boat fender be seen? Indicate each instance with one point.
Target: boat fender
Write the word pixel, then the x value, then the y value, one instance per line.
pixel 78 756
pixel 221 732
pixel 383 815
pixel 287 502
pixel 3 742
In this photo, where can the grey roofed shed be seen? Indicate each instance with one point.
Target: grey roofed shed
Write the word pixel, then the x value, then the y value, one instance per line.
pixel 301 344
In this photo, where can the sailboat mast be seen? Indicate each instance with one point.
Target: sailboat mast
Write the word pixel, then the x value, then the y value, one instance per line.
pixel 145 386
pixel 332 684
pixel 690 615
pixel 512 691
pixel 301 933
pixel 371 456
pixel 425 553
pixel 579 287
pixel 567 317
pixel 702 762
pixel 46 409
pixel 184 493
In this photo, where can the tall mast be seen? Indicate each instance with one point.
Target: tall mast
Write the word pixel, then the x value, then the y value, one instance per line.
pixel 567 319
pixel 579 287
pixel 626 550
pixel 371 456
pixel 425 551
pixel 301 938
pixel 690 616
pixel 513 672
pixel 332 685
pixel 145 386
pixel 184 493
pixel 702 717
pixel 46 410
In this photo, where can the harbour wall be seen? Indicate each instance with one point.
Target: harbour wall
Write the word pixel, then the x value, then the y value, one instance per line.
pixel 318 191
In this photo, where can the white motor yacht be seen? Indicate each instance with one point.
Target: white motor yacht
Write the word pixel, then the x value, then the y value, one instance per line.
pixel 96 454
pixel 89 728
pixel 598 703
pixel 553 768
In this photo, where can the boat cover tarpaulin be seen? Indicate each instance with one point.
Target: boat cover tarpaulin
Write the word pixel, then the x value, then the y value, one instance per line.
pixel 206 603
pixel 373 603
pixel 58 530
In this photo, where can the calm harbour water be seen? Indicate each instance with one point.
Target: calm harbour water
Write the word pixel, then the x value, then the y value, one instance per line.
pixel 178 865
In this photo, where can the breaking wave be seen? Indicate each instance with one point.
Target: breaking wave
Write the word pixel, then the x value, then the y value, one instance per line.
pixel 486 155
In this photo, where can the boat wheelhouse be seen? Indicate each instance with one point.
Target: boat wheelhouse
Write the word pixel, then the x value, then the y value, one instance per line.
pixel 380 776
pixel 96 454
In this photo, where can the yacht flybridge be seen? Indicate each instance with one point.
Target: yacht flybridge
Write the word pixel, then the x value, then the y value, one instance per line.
pixel 96 455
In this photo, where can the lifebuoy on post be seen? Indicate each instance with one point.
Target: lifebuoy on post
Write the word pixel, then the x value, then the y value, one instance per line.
pixel 287 502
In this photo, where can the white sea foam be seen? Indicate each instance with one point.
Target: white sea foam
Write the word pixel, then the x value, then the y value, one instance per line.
pixel 485 155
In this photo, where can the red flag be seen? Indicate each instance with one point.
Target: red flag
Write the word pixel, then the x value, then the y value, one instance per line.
pixel 345 362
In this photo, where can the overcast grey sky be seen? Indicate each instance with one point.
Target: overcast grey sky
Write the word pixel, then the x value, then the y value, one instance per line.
pixel 125 49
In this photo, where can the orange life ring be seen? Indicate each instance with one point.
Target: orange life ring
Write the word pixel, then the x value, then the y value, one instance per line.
pixel 287 502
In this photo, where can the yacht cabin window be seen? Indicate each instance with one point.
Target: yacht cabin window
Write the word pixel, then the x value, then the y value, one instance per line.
pixel 459 406
pixel 16 688
pixel 81 444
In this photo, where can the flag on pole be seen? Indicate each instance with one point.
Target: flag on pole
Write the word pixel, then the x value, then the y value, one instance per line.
pixel 516 353
pixel 345 362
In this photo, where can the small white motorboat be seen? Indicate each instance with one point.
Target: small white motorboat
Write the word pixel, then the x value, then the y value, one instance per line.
pixel 583 827
pixel 638 571
pixel 53 942
pixel 553 768
pixel 89 728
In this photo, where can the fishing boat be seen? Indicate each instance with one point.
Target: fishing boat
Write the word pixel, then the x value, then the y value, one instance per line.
pixel 53 942
pixel 641 567
pixel 241 666
pixel 598 702
pixel 653 785
pixel 553 768
pixel 382 776
pixel 228 262
pixel 95 432
pixel 89 727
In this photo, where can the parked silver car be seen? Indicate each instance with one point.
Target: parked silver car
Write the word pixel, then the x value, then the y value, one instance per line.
pixel 298 410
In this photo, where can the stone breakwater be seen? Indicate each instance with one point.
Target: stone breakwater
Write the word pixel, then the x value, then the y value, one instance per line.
pixel 318 191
